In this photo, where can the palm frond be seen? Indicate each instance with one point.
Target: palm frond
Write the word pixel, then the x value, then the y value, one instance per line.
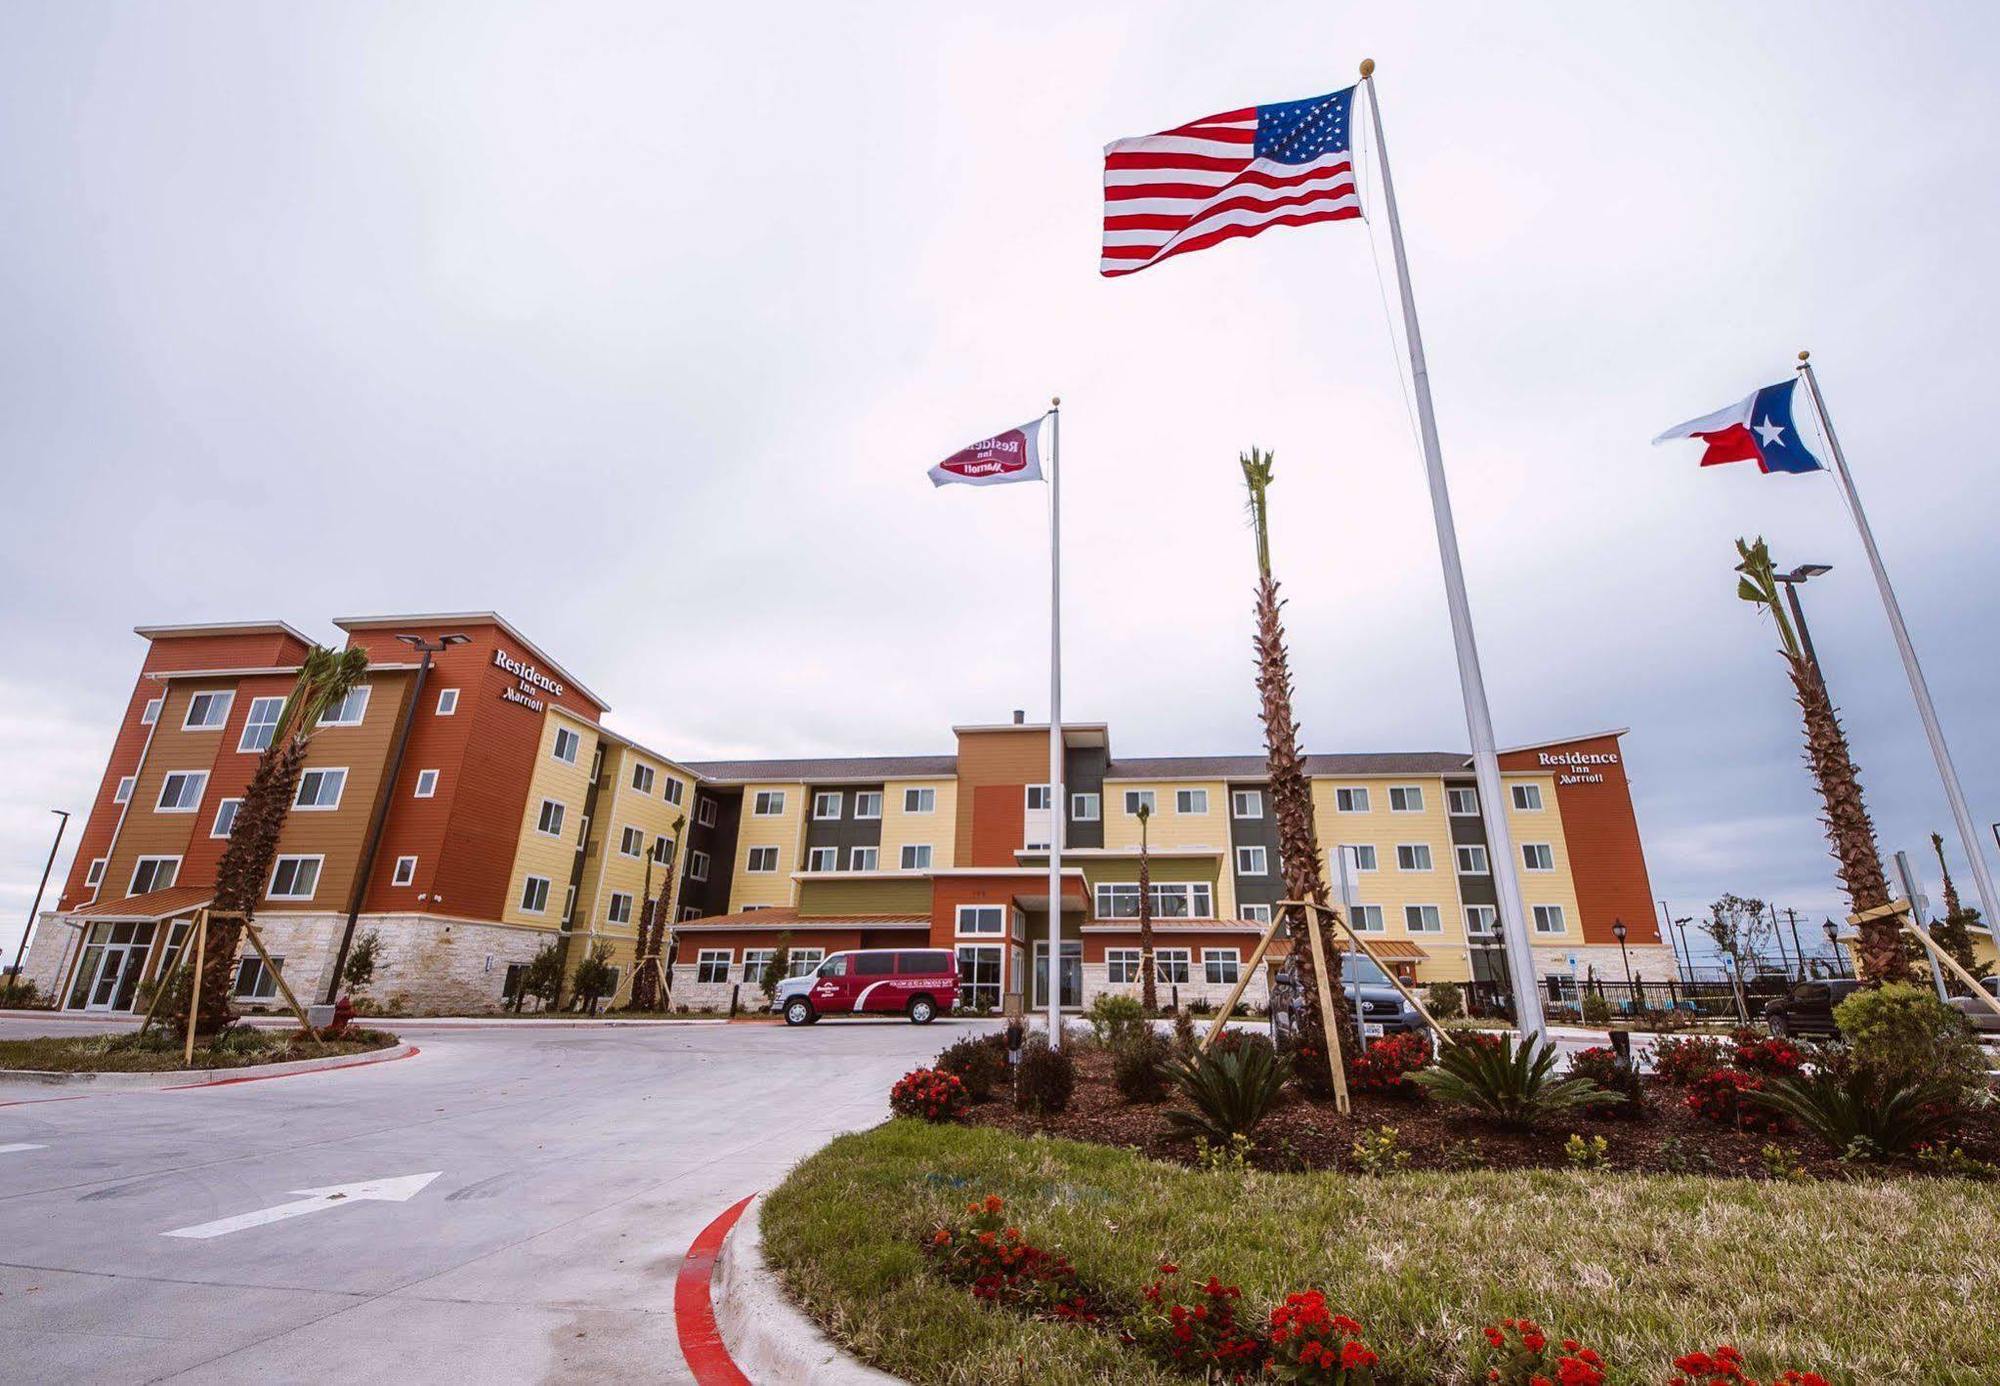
pixel 1509 1083
pixel 1257 472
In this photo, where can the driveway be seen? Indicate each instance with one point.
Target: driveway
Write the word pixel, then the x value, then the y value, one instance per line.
pixel 568 1169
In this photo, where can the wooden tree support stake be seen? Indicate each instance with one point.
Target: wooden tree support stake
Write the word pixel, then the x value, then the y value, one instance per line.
pixel 160 991
pixel 194 992
pixel 279 977
pixel 1242 981
pixel 1334 1060
pixel 1937 951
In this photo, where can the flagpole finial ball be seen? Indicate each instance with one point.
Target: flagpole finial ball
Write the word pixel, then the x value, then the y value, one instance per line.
pixel 1055 401
pixel 1367 67
pixel 1805 356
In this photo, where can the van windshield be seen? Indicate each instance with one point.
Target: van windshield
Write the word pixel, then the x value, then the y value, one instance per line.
pixel 835 966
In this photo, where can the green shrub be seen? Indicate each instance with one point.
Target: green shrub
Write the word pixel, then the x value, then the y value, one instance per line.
pixel 1231 1092
pixel 593 978
pixel 1906 1035
pixel 1379 1151
pixel 1862 1114
pixel 1136 1062
pixel 1046 1077
pixel 1512 1085
pixel 1596 1010
pixel 1602 1066
pixel 1444 1000
pixel 1587 1152
pixel 1113 1017
pixel 977 1062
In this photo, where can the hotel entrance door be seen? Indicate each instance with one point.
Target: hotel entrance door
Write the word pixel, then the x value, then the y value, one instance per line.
pixel 107 979
pixel 1072 974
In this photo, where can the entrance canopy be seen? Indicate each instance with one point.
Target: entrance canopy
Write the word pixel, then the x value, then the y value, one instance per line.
pixel 154 905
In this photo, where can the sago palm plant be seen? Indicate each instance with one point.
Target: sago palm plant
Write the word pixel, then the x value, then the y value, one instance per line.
pixel 1232 1090
pixel 1515 1086
pixel 1861 1113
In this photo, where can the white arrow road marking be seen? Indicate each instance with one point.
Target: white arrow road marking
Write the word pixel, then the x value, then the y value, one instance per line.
pixel 396 1189
pixel 18 1146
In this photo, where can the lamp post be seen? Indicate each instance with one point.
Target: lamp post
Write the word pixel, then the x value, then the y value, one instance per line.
pixel 1833 942
pixel 1618 932
pixel 1668 915
pixel 1682 924
pixel 20 951
pixel 1794 580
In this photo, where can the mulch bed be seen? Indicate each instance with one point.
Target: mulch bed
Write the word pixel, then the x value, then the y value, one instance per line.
pixel 1302 1133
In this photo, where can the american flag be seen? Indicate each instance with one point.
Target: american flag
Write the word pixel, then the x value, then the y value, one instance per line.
pixel 1226 176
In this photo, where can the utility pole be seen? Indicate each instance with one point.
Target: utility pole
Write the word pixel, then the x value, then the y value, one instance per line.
pixel 34 910
pixel 1792 916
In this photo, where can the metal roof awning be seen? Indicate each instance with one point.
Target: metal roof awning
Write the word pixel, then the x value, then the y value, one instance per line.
pixel 154 904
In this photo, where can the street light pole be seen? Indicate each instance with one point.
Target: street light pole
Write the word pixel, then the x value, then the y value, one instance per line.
pixel 1794 580
pixel 1618 932
pixel 1667 916
pixel 21 950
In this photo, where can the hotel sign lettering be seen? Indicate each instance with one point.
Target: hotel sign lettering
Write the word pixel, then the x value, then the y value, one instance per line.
pixel 529 682
pixel 1577 767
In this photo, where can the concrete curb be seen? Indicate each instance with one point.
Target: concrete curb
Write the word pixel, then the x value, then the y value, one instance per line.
pixel 203 1077
pixel 770 1338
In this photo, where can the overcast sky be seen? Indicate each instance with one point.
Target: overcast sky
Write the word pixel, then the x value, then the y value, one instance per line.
pixel 640 325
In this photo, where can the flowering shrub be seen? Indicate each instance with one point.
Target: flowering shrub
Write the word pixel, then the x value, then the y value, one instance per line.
pixel 1203 1334
pixel 1768 1057
pixel 1388 1063
pixel 1724 1367
pixel 1602 1067
pixel 1311 1343
pixel 1519 1354
pixel 1719 1096
pixel 1679 1060
pixel 930 1094
pixel 1000 1266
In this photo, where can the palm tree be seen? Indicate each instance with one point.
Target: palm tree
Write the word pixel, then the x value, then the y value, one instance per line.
pixel 1953 933
pixel 1291 791
pixel 1849 830
pixel 325 678
pixel 1149 990
pixel 653 928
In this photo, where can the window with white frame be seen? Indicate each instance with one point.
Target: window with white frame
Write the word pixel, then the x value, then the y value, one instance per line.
pixel 1472 859
pixel 1351 799
pixel 619 910
pixel 828 803
pixel 1362 856
pixel 1548 919
pixel 255 981
pixel 762 860
pixel 180 791
pixel 95 876
pixel 1481 920
pixel 1171 966
pixel 1406 798
pixel 406 871
pixel 1461 802
pixel 863 858
pixel 632 842
pixel 123 793
pixel 1220 966
pixel 1190 801
pixel 294 878
pixel 349 711
pixel 1253 861
pixel 1538 856
pixel 569 905
pixel 663 850
pixel 712 964
pixel 982 919
pixel 321 789
pixel 979 977
pixel 261 724
pixel 550 819
pixel 151 714
pixel 916 856
pixel 1366 919
pixel 1247 803
pixel 642 777
pixel 673 791
pixel 1136 799
pixel 1121 966
pixel 447 702
pixel 704 813
pixel 1528 797
pixel 697 866
pixel 1170 900
pixel 427 784
pixel 1038 798
pixel 920 801
pixel 568 743
pixel 207 711
pixel 804 960
pixel 823 859
pixel 225 818
pixel 755 960
pixel 690 912
pixel 1423 919
pixel 867 803
pixel 153 873
pixel 1256 914
pixel 1413 856
pixel 1085 808
pixel 769 803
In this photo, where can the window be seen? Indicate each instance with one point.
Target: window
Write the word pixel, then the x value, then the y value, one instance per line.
pixel 1085 808
pixel 1121 965
pixel 868 803
pixel 582 831
pixel 697 866
pixel 1136 799
pixel 712 965
pixel 769 803
pixel 704 813
pixel 180 791
pixel 1219 966
pixel 1351 800
pixel 320 789
pixel 982 919
pixel 1406 798
pixel 1538 856
pixel 619 911
pixel 642 778
pixel 979 978
pixel 261 725
pixel 1362 857
pixel 823 859
pixel 1528 797
pixel 674 790
pixel 1247 803
pixel 1257 914
pixel 225 818
pixel 826 804
pixel 95 876
pixel 1038 798
pixel 1170 900
pixel 406 871
pixel 690 912
pixel 349 711
pixel 122 794
pixel 755 960
pixel 631 843
pixel 1472 860
pixel 294 878
pixel 1252 861
pixel 874 964
pixel 805 960
pixel 1190 801
pixel 1170 966
pixel 663 850
pixel 1366 919
pixel 256 982
pixel 919 801
pixel 1462 803
pixel 762 860
pixel 550 820
pixel 1548 919
pixel 1482 919
pixel 427 783
pixel 916 856
pixel 207 711
pixel 535 895
pixel 153 873
pixel 862 858
pixel 569 904
pixel 152 712
pixel 447 701
pixel 1422 919
pixel 568 743
pixel 1413 856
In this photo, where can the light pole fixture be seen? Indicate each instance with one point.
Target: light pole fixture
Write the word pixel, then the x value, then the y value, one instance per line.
pixel 1794 580
pixel 1833 942
pixel 1618 931
pixel 20 951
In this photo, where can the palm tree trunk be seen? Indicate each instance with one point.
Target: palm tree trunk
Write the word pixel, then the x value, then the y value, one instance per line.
pixel 1149 985
pixel 240 876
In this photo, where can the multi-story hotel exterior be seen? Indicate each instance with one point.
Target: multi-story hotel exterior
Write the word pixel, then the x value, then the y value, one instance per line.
pixel 513 815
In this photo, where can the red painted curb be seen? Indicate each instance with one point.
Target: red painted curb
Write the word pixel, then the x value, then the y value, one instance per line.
pixel 694 1311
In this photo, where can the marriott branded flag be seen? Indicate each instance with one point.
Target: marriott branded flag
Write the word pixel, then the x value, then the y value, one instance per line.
pixel 1010 456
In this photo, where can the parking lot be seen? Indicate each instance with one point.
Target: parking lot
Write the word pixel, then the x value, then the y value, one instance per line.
pixel 511 1204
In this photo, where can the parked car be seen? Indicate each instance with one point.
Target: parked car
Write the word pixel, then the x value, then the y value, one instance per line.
pixel 1383 1009
pixel 1807 1009
pixel 917 982
pixel 1977 1012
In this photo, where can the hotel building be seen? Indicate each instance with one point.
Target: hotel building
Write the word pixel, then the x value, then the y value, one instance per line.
pixel 469 820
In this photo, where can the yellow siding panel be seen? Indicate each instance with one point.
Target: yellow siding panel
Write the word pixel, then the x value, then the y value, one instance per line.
pixel 537 853
pixel 938 828
pixel 1387 886
pixel 784 830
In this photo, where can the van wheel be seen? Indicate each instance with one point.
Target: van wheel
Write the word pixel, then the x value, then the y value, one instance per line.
pixel 922 1011
pixel 799 1012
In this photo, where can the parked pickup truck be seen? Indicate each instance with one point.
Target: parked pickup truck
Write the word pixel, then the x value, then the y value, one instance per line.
pixel 1977 1012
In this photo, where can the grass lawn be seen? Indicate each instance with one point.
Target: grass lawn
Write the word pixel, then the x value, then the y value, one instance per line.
pixel 1869 1281
pixel 127 1053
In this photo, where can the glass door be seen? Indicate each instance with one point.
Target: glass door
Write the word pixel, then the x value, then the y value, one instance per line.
pixel 1072 974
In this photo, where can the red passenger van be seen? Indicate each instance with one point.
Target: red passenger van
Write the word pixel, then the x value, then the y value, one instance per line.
pixel 917 982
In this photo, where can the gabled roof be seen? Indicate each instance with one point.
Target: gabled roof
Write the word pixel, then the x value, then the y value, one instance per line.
pixel 825 769
pixel 472 618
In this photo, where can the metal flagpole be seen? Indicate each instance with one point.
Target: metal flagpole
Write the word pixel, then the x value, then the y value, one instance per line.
pixel 1056 815
pixel 1988 904
pixel 1478 717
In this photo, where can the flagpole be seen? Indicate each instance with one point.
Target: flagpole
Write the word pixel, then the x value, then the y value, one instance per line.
pixel 1478 716
pixel 1918 688
pixel 1056 803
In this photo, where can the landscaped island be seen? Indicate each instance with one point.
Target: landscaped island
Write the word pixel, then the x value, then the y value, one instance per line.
pixel 241 1047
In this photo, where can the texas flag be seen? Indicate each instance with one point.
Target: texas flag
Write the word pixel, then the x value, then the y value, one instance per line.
pixel 1758 429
